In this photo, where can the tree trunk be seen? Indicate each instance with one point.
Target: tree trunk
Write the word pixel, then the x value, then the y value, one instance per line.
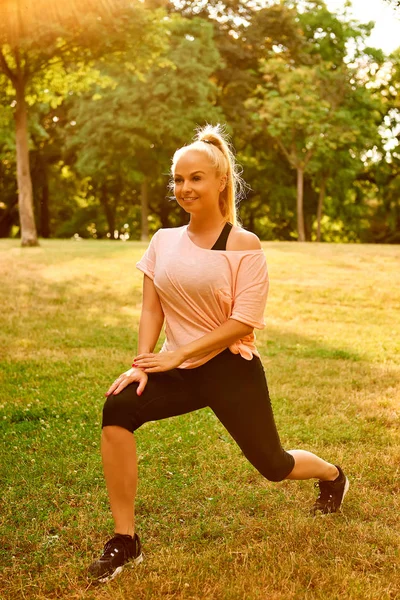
pixel 109 211
pixel 144 200
pixel 321 199
pixel 25 200
pixel 44 202
pixel 300 211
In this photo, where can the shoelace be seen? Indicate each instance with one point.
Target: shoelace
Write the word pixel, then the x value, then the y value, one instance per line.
pixel 115 545
pixel 325 495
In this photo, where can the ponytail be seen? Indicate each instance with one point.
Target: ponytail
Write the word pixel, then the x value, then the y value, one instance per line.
pixel 213 141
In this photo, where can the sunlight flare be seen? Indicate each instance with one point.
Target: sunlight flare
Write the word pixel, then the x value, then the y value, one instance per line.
pixel 19 18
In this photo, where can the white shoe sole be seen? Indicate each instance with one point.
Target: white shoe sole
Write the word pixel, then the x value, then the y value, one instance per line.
pixel 346 489
pixel 118 570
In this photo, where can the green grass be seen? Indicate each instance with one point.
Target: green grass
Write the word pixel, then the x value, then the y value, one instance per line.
pixel 212 528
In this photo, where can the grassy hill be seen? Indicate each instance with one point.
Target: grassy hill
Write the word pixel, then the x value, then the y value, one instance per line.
pixel 211 527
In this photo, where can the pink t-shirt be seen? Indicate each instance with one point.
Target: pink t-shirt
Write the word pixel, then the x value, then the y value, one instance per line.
pixel 201 289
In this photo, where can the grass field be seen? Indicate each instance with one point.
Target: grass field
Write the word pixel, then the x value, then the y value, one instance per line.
pixel 211 527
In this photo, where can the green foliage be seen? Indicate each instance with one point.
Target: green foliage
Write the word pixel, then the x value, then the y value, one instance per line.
pixel 53 60
pixel 151 117
pixel 295 107
pixel 110 99
pixel 317 108
pixel 8 187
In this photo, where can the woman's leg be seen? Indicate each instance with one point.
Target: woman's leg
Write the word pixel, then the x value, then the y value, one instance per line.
pixel 309 466
pixel 118 449
pixel 165 395
pixel 241 402
pixel 333 483
pixel 240 399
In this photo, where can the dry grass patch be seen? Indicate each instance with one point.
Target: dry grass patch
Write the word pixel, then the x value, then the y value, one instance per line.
pixel 212 528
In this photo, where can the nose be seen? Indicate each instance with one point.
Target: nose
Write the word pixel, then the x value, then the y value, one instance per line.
pixel 186 186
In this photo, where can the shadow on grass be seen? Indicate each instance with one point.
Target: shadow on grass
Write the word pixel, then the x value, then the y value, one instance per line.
pixel 300 346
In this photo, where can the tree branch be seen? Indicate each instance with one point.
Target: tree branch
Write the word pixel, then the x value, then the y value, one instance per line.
pixel 26 71
pixel 308 156
pixel 6 68
pixel 58 56
pixel 285 152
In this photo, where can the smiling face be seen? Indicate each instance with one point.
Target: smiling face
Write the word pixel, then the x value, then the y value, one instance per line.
pixel 197 185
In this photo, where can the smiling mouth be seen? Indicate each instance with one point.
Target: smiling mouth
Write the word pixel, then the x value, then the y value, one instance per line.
pixel 186 199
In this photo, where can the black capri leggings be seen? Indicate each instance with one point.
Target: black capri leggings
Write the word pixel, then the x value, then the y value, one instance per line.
pixel 234 388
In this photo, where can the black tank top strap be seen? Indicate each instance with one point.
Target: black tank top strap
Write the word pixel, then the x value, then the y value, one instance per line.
pixel 220 244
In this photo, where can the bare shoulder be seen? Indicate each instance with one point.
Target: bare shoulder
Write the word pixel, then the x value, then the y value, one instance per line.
pixel 240 239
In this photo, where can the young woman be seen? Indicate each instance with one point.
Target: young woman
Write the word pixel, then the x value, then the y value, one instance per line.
pixel 208 280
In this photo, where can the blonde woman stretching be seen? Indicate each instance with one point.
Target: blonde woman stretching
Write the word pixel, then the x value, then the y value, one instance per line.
pixel 208 280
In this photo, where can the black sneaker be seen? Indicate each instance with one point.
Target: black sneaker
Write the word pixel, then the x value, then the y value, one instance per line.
pixel 331 494
pixel 117 552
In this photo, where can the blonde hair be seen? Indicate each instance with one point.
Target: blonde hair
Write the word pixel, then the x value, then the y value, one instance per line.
pixel 213 141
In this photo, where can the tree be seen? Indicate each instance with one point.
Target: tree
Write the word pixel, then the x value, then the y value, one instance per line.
pixel 296 106
pixel 354 132
pixel 151 117
pixel 226 12
pixel 38 36
pixel 309 95
pixel 383 175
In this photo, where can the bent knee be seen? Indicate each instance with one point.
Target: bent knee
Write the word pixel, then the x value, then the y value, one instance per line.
pixel 276 468
pixel 119 409
pixel 276 475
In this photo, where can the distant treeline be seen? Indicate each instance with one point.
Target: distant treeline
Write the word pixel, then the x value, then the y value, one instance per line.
pixel 312 111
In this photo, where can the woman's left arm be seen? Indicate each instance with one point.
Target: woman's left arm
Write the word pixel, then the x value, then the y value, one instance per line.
pixel 221 337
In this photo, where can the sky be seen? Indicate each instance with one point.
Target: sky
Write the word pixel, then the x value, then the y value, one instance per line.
pixel 386 34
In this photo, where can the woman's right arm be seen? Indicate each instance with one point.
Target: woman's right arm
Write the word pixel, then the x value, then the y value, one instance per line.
pixel 151 318
pixel 151 322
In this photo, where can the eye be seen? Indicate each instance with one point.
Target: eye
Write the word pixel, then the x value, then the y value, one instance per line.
pixel 196 178
pixel 177 180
